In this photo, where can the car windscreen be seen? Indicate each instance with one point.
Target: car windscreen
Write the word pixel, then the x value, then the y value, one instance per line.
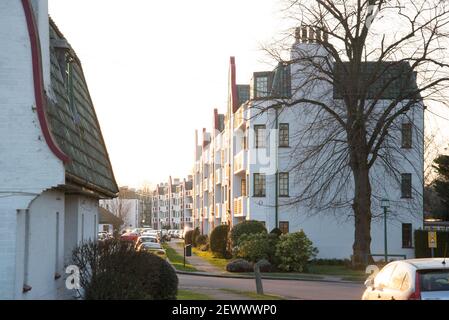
pixel 434 280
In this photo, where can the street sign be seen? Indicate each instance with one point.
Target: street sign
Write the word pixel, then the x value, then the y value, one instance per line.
pixel 432 239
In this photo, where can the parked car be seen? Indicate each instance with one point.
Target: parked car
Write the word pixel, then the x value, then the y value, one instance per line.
pixel 129 236
pixel 414 279
pixel 154 248
pixel 143 239
pixel 152 233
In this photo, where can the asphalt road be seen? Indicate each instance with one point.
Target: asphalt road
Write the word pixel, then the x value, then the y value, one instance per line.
pixel 290 289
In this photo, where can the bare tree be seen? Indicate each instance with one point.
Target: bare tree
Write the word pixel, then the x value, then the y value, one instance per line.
pixel 354 87
pixel 120 207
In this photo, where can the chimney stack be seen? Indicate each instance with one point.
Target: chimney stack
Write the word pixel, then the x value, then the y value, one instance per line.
pixel 310 34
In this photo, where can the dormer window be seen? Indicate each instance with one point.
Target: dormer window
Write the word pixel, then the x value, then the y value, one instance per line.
pixel 261 87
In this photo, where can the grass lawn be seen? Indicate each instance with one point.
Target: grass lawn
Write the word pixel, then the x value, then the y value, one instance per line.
pixel 177 260
pixel 254 295
pixel 191 295
pixel 342 271
pixel 209 257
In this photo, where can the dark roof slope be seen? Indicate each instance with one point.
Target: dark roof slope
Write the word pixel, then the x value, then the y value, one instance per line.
pixel 402 77
pixel 107 217
pixel 74 123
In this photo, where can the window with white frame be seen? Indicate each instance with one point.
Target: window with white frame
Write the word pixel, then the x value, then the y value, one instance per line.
pixel 259 135
pixel 283 184
pixel 261 86
pixel 259 185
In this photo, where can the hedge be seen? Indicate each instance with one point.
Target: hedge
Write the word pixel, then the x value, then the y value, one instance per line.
pixel 246 227
pixel 421 244
pixel 113 270
pixel 195 235
pixel 188 237
pixel 219 239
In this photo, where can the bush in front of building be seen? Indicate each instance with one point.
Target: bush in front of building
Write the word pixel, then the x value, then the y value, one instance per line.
pixel 266 266
pixel 422 249
pixel 201 240
pixel 188 237
pixel 113 270
pixel 293 251
pixel 246 228
pixel 219 240
pixel 196 233
pixel 257 246
pixel 239 265
pixel 276 231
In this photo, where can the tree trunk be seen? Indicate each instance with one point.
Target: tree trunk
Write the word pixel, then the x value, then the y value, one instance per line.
pixel 362 216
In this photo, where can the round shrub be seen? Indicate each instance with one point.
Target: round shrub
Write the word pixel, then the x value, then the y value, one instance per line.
pixel 201 240
pixel 255 247
pixel 188 237
pixel 218 240
pixel 195 235
pixel 276 231
pixel 239 265
pixel 294 250
pixel 246 227
pixel 113 270
pixel 265 266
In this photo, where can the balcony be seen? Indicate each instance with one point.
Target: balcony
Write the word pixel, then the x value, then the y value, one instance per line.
pixel 189 206
pixel 188 193
pixel 218 209
pixel 239 118
pixel 218 176
pixel 240 207
pixel 205 184
pixel 240 162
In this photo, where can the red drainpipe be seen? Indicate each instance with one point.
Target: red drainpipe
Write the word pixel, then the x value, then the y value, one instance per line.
pixel 41 102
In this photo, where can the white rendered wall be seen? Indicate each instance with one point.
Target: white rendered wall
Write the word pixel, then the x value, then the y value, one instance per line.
pixel 28 167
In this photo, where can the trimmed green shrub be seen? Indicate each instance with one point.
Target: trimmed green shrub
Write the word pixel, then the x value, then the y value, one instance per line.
pixel 113 270
pixel 239 265
pixel 195 235
pixel 246 227
pixel 422 249
pixel 276 231
pixel 201 240
pixel 218 240
pixel 254 247
pixel 265 266
pixel 188 237
pixel 293 251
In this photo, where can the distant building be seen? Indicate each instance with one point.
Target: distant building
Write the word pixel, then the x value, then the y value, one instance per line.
pixel 54 162
pixel 128 207
pixel 172 204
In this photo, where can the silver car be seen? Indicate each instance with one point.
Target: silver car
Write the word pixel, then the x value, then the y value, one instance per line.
pixel 414 279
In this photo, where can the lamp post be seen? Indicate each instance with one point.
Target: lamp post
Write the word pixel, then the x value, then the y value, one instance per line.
pixel 385 204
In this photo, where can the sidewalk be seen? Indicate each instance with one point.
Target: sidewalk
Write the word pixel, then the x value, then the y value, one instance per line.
pixel 199 263
pixel 206 269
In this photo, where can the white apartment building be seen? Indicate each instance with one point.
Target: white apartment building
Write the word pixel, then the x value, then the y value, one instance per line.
pixel 172 204
pixel 238 163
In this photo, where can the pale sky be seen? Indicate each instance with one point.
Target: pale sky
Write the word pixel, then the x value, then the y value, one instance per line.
pixel 157 69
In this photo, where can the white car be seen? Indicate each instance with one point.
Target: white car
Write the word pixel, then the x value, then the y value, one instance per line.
pixel 414 279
